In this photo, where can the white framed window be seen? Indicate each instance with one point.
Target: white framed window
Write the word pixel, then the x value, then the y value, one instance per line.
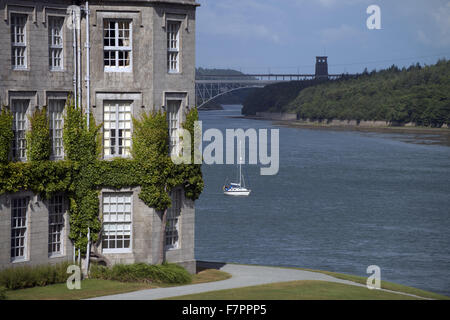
pixel 173 46
pixel 117 128
pixel 173 118
pixel 117 211
pixel 55 225
pixel 19 208
pixel 18 41
pixel 173 221
pixel 55 42
pixel 117 45
pixel 19 109
pixel 56 125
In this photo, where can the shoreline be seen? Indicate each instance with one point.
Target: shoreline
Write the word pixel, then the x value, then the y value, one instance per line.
pixel 423 135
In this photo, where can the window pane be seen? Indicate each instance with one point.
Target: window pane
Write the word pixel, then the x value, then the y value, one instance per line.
pixel 18 40
pixel 173 108
pixel 116 220
pixel 55 224
pixel 117 44
pixel 18 227
pixel 173 215
pixel 19 109
pixel 117 128
pixel 56 125
pixel 173 36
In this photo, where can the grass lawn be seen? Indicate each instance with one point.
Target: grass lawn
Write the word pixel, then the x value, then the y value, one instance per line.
pixel 210 275
pixel 297 290
pixel 95 288
pixel 384 285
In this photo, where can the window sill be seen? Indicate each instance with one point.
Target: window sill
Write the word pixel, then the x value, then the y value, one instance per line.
pixel 20 69
pixel 114 251
pixel 56 255
pixel 128 70
pixel 111 158
pixel 19 260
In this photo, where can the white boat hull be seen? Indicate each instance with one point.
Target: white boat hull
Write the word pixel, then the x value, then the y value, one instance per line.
pixel 242 193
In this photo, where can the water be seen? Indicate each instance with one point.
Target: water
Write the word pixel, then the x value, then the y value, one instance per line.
pixel 341 201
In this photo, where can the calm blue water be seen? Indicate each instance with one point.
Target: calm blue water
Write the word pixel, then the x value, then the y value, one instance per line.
pixel 341 201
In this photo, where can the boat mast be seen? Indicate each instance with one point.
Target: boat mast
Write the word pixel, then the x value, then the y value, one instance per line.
pixel 240 163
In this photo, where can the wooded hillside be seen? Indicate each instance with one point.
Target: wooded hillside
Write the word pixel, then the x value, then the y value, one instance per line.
pixel 419 94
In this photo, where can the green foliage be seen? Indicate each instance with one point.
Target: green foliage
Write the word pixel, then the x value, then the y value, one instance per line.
pixel 275 96
pixel 32 276
pixel 80 143
pixel 141 272
pixel 6 134
pixel 151 151
pixel 2 293
pixel 416 94
pixel 82 174
pixel 43 178
pixel 191 174
pixel 205 73
pixel 38 137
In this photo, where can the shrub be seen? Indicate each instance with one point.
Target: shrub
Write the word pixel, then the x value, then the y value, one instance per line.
pixel 2 293
pixel 141 272
pixel 32 276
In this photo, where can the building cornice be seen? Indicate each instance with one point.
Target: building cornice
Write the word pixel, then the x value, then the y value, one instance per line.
pixel 112 2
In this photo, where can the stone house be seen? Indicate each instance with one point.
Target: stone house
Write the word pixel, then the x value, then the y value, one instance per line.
pixel 118 58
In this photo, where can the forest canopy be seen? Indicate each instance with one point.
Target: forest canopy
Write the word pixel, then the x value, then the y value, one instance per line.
pixel 418 94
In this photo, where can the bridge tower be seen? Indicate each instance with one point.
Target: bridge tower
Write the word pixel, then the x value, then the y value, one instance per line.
pixel 321 67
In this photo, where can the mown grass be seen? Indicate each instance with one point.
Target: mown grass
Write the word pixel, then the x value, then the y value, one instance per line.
pixel 91 288
pixel 210 275
pixel 297 290
pixel 384 285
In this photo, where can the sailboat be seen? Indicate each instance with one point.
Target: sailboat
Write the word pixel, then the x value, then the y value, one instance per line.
pixel 237 189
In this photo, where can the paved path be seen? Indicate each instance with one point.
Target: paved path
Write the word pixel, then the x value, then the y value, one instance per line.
pixel 242 276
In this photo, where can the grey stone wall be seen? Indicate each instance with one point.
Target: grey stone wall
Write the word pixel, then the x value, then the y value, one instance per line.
pixel 36 251
pixel 148 85
pixel 146 231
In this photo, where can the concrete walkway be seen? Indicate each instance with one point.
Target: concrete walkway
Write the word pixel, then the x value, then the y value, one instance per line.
pixel 242 276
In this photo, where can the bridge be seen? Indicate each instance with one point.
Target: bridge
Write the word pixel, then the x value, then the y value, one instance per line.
pixel 209 87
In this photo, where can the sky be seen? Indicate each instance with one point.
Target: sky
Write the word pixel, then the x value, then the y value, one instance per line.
pixel 285 36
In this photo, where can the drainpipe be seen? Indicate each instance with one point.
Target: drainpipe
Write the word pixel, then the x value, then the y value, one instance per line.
pixel 88 250
pixel 88 80
pixel 74 58
pixel 79 58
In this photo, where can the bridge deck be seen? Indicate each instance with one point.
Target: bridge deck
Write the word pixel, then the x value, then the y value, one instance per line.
pixel 211 86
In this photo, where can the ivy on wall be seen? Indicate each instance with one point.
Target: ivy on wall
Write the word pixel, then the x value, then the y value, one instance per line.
pixel 6 134
pixel 82 174
pixel 38 138
pixel 191 174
